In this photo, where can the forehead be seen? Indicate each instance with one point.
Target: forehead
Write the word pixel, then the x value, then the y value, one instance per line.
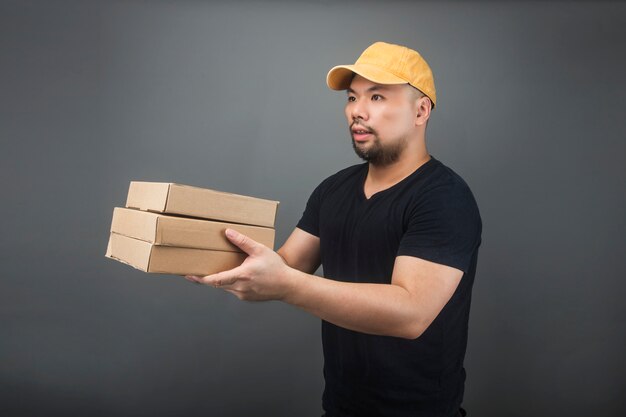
pixel 360 84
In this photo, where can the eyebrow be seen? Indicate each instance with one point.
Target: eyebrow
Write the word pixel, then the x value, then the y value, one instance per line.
pixel 369 90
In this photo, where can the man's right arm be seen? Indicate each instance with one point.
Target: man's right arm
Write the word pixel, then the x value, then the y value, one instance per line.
pixel 301 251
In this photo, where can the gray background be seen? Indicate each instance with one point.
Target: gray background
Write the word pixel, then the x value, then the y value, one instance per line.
pixel 531 100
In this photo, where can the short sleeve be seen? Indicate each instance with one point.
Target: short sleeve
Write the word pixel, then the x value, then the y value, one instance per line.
pixel 444 227
pixel 309 222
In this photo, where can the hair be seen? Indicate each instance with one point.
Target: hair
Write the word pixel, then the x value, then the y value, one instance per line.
pixel 417 94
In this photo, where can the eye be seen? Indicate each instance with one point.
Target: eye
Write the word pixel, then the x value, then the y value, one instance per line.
pixel 351 98
pixel 377 97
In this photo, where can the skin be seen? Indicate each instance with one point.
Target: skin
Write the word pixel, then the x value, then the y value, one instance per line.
pixel 379 115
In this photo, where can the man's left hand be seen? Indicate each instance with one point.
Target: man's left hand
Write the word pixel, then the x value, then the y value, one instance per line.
pixel 262 276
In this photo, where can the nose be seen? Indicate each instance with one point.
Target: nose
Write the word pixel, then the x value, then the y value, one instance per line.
pixel 357 110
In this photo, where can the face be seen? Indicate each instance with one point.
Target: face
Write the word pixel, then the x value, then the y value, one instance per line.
pixel 381 119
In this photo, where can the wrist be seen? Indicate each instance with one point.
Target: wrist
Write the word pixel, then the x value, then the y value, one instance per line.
pixel 291 283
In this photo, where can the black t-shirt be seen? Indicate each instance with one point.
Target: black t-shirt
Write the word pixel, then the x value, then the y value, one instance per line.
pixel 432 215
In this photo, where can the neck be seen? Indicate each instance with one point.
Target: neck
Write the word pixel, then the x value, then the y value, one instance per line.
pixel 381 177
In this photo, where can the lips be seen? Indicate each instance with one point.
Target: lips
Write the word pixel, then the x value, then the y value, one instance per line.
pixel 360 133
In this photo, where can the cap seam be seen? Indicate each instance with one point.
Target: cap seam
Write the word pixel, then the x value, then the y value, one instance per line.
pixel 403 61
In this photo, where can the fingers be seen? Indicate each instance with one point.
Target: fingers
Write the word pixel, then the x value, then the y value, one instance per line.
pixel 231 277
pixel 208 280
pixel 219 280
pixel 243 242
pixel 191 278
pixel 232 287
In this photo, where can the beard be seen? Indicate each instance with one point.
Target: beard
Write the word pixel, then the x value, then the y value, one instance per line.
pixel 378 154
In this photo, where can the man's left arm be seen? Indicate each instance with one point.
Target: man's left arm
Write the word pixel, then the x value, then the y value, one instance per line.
pixel 405 308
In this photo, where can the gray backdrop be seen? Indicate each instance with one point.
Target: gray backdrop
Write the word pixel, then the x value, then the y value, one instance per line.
pixel 531 100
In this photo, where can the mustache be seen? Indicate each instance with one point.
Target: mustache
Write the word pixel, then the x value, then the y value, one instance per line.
pixel 362 125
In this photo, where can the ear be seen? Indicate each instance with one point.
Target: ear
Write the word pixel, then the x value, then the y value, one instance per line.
pixel 423 107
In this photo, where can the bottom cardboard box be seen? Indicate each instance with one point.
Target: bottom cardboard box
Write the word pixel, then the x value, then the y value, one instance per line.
pixel 170 259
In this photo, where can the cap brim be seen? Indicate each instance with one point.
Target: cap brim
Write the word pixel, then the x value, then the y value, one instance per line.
pixel 340 77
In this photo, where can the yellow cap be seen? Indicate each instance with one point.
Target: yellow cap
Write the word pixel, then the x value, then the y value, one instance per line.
pixel 386 63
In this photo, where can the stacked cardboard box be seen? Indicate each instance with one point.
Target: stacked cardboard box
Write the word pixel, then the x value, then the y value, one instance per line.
pixel 177 229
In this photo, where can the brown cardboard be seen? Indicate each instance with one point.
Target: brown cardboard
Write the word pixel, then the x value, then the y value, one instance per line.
pixel 164 230
pixel 186 200
pixel 148 257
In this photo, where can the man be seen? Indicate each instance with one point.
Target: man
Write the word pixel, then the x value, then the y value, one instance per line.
pixel 398 239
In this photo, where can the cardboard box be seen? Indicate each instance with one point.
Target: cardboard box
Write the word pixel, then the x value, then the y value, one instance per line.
pixel 185 200
pixel 149 257
pixel 183 232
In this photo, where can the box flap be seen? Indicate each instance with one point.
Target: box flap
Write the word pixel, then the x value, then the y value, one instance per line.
pixel 148 195
pixel 133 252
pixel 135 223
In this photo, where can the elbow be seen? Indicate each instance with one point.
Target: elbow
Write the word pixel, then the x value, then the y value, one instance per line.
pixel 412 334
pixel 412 331
pixel 415 328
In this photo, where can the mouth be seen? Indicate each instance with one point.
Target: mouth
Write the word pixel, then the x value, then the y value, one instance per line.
pixel 360 134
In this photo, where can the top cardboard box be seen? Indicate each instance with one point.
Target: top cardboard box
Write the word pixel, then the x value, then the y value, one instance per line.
pixel 185 200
